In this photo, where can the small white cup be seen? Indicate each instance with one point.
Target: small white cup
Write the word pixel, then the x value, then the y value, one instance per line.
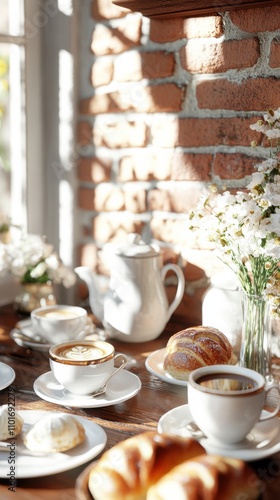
pixel 59 323
pixel 226 401
pixel 82 367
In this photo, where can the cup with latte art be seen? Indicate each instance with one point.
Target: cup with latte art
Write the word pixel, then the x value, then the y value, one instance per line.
pixel 82 367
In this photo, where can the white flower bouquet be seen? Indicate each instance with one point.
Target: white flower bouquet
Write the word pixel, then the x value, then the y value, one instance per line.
pixel 245 229
pixel 245 226
pixel 31 260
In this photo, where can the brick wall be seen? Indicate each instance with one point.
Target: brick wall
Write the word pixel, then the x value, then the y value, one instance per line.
pixel 167 113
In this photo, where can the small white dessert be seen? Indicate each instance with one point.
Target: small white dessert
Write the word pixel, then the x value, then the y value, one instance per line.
pixel 55 433
pixel 10 422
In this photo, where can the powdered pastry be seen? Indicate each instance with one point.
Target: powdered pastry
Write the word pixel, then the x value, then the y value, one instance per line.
pixel 55 433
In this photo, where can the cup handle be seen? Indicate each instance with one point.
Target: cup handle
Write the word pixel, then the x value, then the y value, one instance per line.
pixel 274 413
pixel 123 359
pixel 180 287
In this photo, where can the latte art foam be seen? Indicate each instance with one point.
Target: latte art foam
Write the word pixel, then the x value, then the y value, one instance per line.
pixel 82 353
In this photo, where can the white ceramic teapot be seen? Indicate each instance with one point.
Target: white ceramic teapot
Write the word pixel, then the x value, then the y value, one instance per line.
pixel 135 307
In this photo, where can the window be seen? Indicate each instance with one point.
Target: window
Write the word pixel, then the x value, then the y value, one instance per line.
pixel 37 103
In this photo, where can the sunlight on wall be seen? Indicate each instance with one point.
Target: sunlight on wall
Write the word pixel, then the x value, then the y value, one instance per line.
pixel 66 138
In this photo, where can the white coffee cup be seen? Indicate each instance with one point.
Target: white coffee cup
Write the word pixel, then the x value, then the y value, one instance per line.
pixel 59 323
pixel 227 401
pixel 82 367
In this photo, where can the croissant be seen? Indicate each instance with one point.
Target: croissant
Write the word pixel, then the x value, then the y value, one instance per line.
pixel 128 469
pixel 195 347
pixel 208 477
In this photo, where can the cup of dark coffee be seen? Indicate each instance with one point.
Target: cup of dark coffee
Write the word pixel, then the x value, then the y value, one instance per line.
pixel 227 401
pixel 82 367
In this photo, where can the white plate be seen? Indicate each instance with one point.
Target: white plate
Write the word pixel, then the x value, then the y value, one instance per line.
pixel 154 364
pixel 7 375
pixel 25 327
pixel 53 463
pixel 263 441
pixel 125 385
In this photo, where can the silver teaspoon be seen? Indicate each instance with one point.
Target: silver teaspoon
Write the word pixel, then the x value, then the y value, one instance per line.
pixel 194 429
pixel 103 389
pixel 16 334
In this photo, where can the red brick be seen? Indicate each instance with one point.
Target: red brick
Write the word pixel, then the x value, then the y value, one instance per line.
pixel 191 167
pixel 94 169
pixel 171 131
pixel 274 61
pixel 254 94
pixel 157 98
pixel 135 200
pixel 164 131
pixel 145 165
pixel 108 198
pixel 133 66
pixel 199 132
pixel 102 71
pixel 257 19
pixel 170 30
pixel 106 228
pixel 203 27
pixel 105 9
pixel 149 165
pixel 172 199
pixel 86 198
pixel 88 255
pixel 106 40
pixel 84 133
pixel 168 230
pixel 120 134
pixel 166 30
pixel 201 57
pixel 233 166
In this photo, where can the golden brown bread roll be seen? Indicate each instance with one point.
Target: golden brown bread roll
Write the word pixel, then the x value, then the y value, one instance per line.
pixel 195 347
pixel 208 477
pixel 128 469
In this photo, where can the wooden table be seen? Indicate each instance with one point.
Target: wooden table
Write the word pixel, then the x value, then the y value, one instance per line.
pixel 138 414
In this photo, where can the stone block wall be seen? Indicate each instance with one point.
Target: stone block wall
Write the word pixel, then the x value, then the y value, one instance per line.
pixel 167 113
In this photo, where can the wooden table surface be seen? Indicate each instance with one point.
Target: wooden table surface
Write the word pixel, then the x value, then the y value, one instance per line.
pixel 120 421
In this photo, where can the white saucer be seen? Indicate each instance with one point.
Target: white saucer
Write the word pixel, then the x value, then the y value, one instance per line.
pixel 7 375
pixel 125 385
pixel 33 341
pixel 263 441
pixel 154 364
pixel 52 463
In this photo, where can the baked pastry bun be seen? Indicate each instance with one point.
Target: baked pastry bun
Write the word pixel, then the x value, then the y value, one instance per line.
pixel 208 477
pixel 55 433
pixel 128 469
pixel 10 422
pixel 196 347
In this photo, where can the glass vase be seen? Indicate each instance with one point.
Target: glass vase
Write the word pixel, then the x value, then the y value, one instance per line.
pixel 256 335
pixel 33 295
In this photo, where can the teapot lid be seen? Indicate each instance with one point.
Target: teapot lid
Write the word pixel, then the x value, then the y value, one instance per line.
pixel 136 247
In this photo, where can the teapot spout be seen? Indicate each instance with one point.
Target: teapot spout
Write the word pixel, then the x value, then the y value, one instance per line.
pixel 96 293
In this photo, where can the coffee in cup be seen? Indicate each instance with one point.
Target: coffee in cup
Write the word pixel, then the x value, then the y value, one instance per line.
pixel 82 367
pixel 59 323
pixel 227 401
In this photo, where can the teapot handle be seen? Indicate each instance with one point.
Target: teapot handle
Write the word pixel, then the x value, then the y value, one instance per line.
pixel 180 287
